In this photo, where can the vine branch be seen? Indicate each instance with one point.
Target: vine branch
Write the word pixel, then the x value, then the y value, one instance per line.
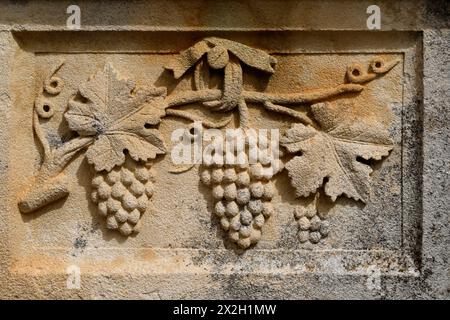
pixel 40 134
pixel 50 184
pixel 192 96
pixel 189 116
pixel 269 100
pixel 302 97
pixel 287 111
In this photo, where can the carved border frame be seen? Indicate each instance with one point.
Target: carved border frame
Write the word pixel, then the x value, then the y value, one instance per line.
pixel 424 248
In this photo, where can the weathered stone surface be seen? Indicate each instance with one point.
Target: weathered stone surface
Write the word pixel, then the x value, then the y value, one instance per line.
pixel 94 206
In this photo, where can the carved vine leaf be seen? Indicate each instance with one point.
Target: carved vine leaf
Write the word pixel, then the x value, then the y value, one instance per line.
pixel 335 154
pixel 120 117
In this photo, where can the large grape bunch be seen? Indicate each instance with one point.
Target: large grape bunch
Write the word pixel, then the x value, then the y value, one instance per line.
pixel 242 197
pixel 122 195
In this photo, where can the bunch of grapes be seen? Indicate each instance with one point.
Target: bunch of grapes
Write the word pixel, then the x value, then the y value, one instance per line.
pixel 122 195
pixel 242 197
pixel 312 227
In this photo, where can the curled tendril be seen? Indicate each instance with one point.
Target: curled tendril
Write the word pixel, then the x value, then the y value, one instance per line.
pixel 356 73
pixel 380 66
pixel 53 84
pixel 44 108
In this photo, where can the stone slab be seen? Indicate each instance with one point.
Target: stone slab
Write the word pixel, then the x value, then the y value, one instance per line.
pixel 388 232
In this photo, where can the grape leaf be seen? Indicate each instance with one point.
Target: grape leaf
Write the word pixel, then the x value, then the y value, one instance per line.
pixel 119 116
pixel 334 154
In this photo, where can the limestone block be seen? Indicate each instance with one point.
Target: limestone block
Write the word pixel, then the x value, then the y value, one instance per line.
pixel 350 201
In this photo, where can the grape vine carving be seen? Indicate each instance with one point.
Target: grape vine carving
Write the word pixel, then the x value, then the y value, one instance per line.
pixel 333 153
pixel 116 124
pixel 242 197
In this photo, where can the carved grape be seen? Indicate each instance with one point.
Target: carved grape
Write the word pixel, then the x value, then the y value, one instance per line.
pixel 242 198
pixel 122 195
pixel 312 227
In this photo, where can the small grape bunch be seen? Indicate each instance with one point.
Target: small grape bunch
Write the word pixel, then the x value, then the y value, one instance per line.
pixel 242 197
pixel 122 195
pixel 312 227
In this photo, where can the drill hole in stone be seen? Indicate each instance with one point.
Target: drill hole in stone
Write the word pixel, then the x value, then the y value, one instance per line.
pixel 44 109
pixel 356 72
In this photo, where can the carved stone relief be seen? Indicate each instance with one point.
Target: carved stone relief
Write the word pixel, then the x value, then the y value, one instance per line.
pixel 328 150
pixel 347 197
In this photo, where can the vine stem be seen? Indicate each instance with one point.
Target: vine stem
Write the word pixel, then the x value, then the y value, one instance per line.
pixel 290 112
pixel 269 101
pixel 60 157
pixel 192 96
pixel 302 97
pixel 50 184
pixel 195 96
pixel 243 114
pixel 40 134
pixel 189 116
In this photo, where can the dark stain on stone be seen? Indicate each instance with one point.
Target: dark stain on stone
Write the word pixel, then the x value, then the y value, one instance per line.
pixel 437 12
pixel 54 140
pixel 80 243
